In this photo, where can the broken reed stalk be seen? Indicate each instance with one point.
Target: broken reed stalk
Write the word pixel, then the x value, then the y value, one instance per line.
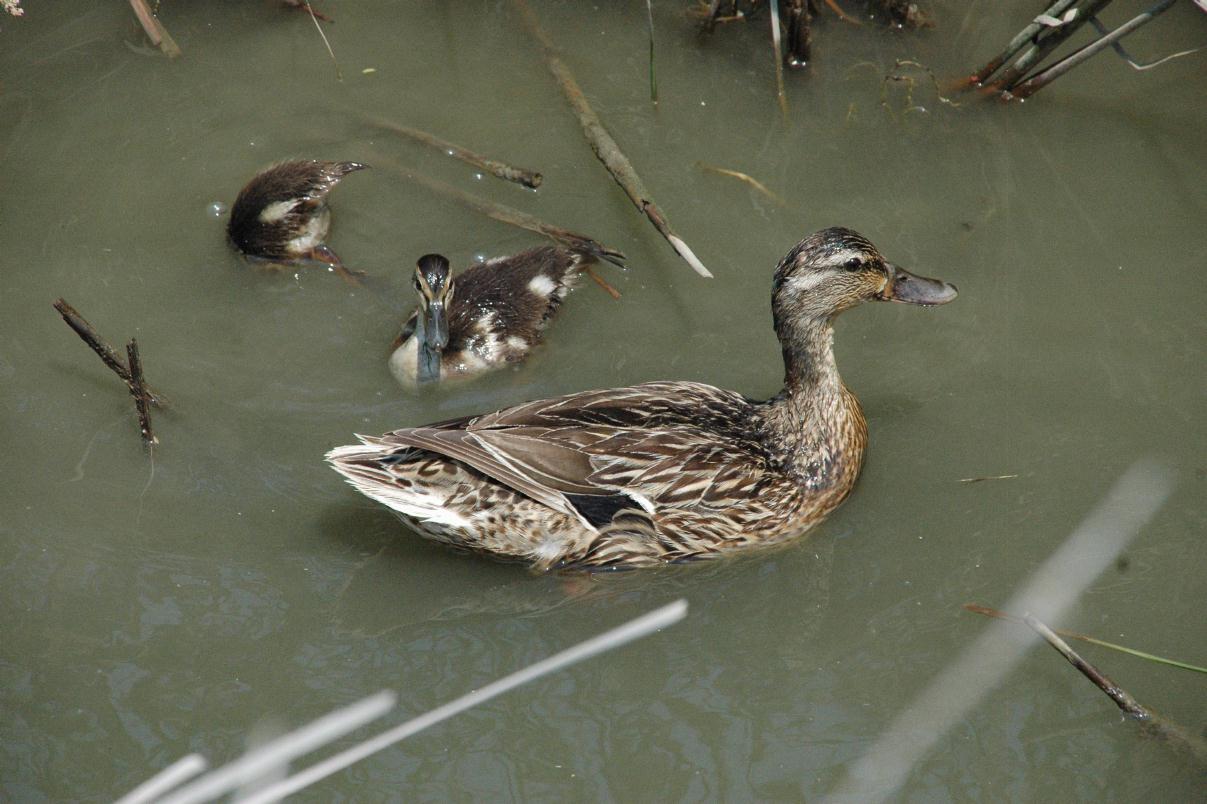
pixel 1018 43
pixel 528 178
pixel 1043 46
pixel 605 148
pixel 154 29
pixel 1113 691
pixel 139 391
pixel 107 353
pixel 1153 723
pixel 515 217
pixel 1037 82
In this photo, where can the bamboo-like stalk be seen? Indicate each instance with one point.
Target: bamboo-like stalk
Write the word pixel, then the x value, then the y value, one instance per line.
pixel 528 178
pixel 1037 82
pixel 139 391
pixel 1043 47
pixel 107 353
pixel 605 148
pixel 154 29
pixel 1020 41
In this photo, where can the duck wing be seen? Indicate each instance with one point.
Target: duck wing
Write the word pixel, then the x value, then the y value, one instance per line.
pixel 594 454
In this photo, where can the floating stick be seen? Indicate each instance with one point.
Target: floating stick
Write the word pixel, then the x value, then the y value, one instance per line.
pixel 510 216
pixel 605 148
pixel 107 353
pixel 139 391
pixel 528 178
pixel 154 29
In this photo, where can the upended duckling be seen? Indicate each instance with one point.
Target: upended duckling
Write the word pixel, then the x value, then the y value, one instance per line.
pixel 660 472
pixel 282 216
pixel 493 314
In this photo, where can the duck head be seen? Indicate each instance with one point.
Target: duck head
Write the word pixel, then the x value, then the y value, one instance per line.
pixel 434 284
pixel 837 269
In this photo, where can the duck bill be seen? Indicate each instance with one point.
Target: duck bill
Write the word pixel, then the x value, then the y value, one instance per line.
pixel 435 326
pixel 427 367
pixel 907 288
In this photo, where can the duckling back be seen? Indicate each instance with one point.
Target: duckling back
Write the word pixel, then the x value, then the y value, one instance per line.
pixel 282 214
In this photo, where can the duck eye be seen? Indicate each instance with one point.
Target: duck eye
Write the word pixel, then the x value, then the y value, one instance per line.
pixel 853 264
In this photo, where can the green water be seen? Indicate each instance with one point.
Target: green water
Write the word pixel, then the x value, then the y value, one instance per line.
pixel 234 584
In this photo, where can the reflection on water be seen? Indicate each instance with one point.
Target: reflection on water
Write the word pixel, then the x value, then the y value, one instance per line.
pixel 155 608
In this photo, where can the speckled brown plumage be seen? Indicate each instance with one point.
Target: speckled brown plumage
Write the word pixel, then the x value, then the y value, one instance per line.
pixel 497 313
pixel 659 472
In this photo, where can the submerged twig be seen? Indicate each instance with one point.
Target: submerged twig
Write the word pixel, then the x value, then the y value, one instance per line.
pixel 605 148
pixel 983 478
pixel 508 215
pixel 154 29
pixel 107 353
pixel 753 182
pixel 139 391
pixel 528 178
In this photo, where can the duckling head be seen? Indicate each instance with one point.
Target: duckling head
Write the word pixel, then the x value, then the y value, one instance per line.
pixel 434 284
pixel 837 269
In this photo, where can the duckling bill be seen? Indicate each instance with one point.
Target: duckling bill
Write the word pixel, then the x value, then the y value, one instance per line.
pixel 486 317
pixel 660 472
pixel 282 215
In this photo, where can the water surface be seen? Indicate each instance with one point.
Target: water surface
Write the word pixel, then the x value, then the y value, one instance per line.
pixel 233 583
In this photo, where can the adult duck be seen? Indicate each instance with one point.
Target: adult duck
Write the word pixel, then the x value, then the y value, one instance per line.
pixel 660 472
pixel 489 316
pixel 282 216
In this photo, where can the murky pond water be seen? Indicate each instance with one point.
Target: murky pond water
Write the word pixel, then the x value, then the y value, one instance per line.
pixel 234 583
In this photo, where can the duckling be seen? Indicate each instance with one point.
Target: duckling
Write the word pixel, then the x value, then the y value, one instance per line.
pixel 282 216
pixel 493 314
pixel 660 472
